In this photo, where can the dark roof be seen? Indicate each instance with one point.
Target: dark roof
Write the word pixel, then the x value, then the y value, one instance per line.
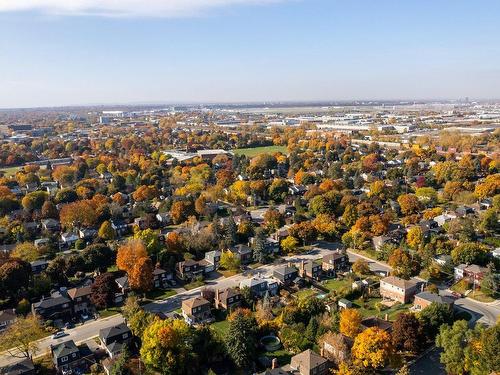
pixel 119 329
pixel 374 321
pixel 80 292
pixel 115 347
pixel 65 349
pixel 285 270
pixel 7 315
pixel 18 368
pixel 432 297
pixel 51 302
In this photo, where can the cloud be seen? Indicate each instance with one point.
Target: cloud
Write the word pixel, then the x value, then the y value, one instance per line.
pixel 123 8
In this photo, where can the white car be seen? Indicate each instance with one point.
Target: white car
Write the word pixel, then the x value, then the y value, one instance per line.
pixel 59 334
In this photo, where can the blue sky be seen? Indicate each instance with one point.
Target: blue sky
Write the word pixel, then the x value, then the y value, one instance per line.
pixel 244 50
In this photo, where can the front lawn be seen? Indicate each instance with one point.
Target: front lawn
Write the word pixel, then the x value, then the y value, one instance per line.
pixel 194 284
pixel 229 273
pixel 251 152
pixel 105 313
pixel 159 294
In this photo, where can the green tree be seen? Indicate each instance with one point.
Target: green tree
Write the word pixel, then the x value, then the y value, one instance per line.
pixel 241 342
pixel 230 231
pixel 229 261
pixel 150 239
pixel 433 316
pixel 259 247
pixel 452 340
pixel 20 338
pixel 490 282
pixel 106 231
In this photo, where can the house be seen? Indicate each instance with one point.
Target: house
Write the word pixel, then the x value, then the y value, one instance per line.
pixel 335 262
pixel 242 252
pixel 67 356
pixel 310 363
pixel 115 338
pixel 80 298
pixel 375 322
pixel 164 218
pixel 424 299
pixel 38 266
pixel 188 269
pixel 161 277
pixel 120 227
pixel 57 306
pixel 196 310
pixel 311 269
pixel 123 284
pixel 397 289
pixel 228 300
pixel 344 303
pixel 444 218
pixel 260 286
pixel 443 259
pixel 52 187
pixel 473 273
pixel 339 352
pixel 7 317
pixel 464 211
pixel 21 367
pixel 39 242
pixel 51 225
pixel 379 241
pixel 213 257
pixel 87 234
pixel 286 274
pixel 68 239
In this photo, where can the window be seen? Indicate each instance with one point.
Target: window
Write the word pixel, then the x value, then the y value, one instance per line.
pixel 125 336
pixel 64 359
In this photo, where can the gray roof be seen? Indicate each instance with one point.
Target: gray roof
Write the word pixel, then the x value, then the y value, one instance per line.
pixel 65 349
pixel 119 329
pixel 432 297
pixel 56 300
pixel 18 368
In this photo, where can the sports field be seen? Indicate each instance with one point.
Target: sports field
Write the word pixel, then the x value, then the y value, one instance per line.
pixel 260 150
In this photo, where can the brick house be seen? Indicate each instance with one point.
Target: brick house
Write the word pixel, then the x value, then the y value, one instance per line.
pixel 310 269
pixel 310 363
pixel 424 299
pixel 229 299
pixel 335 262
pixel 397 289
pixel 196 310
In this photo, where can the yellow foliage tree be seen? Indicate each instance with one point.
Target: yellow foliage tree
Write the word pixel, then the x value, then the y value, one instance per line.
pixel 350 322
pixel 372 348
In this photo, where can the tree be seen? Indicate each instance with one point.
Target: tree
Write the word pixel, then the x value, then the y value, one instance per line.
pixel 106 231
pixel 181 210
pixel 361 267
pixel 167 346
pixel 402 264
pixel 325 225
pixel 490 282
pixel 144 193
pixel 103 290
pixel 407 333
pixel 49 210
pixel 415 237
pixel 150 239
pixel 289 244
pixel 137 318
pixel 278 190
pixel 241 339
pixel 97 257
pixel 259 247
pixel 230 231
pixel 141 276
pixel 129 253
pixel 470 253
pixel 34 200
pixel 350 322
pixel 304 231
pixel 427 195
pixel 56 270
pixel 15 275
pixel 453 341
pixel 273 220
pixel 20 338
pixel 120 365
pixel 409 204
pixel 229 261
pixel 372 348
pixel 25 251
pixel 432 317
pixel 78 213
pixel 405 370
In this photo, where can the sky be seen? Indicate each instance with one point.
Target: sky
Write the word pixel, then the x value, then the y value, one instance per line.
pixel 80 52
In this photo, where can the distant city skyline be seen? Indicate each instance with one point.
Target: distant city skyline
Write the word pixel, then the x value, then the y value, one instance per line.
pixel 88 52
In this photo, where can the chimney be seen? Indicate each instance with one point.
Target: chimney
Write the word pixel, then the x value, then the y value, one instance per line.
pixel 216 296
pixel 322 352
pixel 290 264
pixel 274 363
pixel 386 317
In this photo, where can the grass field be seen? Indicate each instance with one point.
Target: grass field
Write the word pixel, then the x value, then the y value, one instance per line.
pixel 158 294
pixel 260 150
pixel 11 171
pixel 220 328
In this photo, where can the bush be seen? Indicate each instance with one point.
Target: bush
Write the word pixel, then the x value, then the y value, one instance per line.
pixel 80 244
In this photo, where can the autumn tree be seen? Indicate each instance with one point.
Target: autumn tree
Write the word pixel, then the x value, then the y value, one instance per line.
pixel 129 254
pixel 167 346
pixel 141 276
pixel 78 213
pixel 229 261
pixel 181 210
pixel 144 193
pixel 402 264
pixel 20 339
pixel 350 322
pixel 372 348
pixel 273 220
pixel 150 239
pixel 289 244
pixel 409 204
pixel 304 231
pixel 106 231
pixel 34 200
pixel 103 290
pixel 415 237
pixel 25 251
pixel 361 267
pixel 15 275
pixel 407 333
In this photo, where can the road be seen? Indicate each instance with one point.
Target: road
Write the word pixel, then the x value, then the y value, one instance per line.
pixel 79 334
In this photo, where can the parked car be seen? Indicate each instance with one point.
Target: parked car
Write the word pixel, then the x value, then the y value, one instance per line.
pixel 59 334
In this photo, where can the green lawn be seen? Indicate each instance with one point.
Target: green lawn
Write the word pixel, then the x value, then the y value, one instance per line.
pixel 305 293
pixel 11 171
pixel 260 150
pixel 479 295
pixel 109 312
pixel 159 294
pixel 337 284
pixel 220 328
pixel 368 308
pixel 194 284
pixel 281 355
